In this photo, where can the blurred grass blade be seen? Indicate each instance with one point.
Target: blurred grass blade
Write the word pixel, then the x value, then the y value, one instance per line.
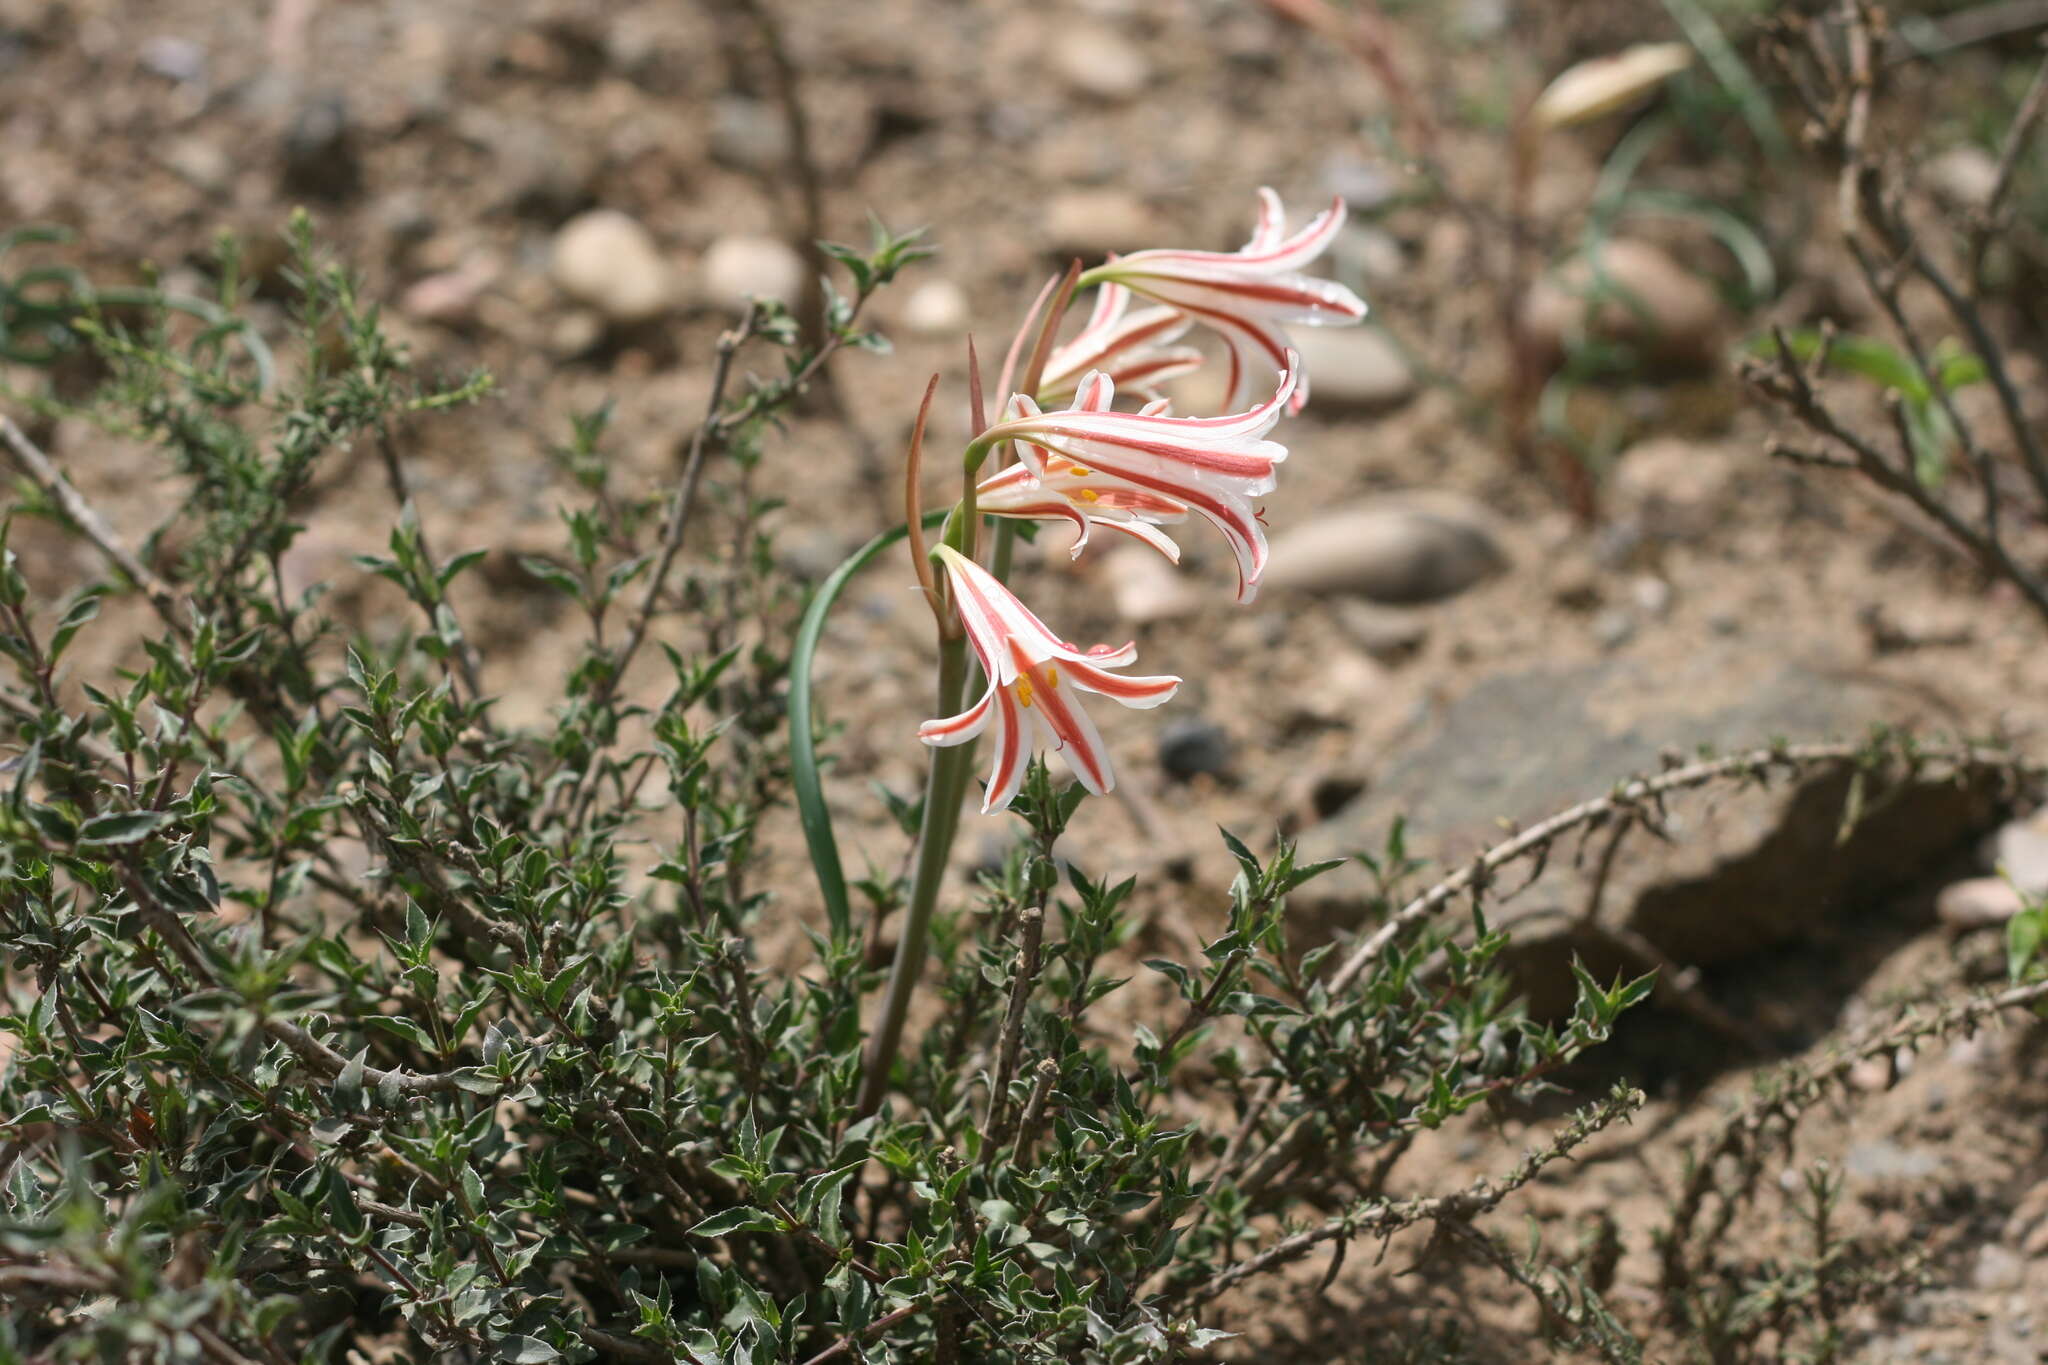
pixel 1744 243
pixel 804 776
pixel 1734 74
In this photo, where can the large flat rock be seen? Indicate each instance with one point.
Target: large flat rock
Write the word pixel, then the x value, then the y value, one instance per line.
pixel 1744 869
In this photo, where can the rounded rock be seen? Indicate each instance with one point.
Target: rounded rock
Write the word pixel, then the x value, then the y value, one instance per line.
pixel 1192 747
pixel 1976 903
pixel 737 269
pixel 1672 488
pixel 607 260
pixel 1636 294
pixel 1402 551
pixel 1145 588
pixel 1354 368
pixel 936 308
pixel 2020 851
pixel 1102 63
pixel 1094 222
pixel 1965 175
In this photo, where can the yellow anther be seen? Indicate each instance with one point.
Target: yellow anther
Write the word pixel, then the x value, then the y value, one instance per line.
pixel 1052 678
pixel 1090 495
pixel 1024 692
pixel 1079 472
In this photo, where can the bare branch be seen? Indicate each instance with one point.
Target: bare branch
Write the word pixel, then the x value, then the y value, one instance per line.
pixel 46 476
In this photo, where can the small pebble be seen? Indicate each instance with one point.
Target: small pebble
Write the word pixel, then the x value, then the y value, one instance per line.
pixel 1643 297
pixel 936 308
pixel 1191 747
pixel 1402 550
pixel 1965 175
pixel 1976 903
pixel 737 269
pixel 607 260
pixel 1614 627
pixel 1997 1269
pixel 1094 222
pixel 748 133
pixel 1098 61
pixel 1353 368
pixel 1145 588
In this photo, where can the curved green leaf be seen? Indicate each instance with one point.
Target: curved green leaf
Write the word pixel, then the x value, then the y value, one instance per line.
pixel 805 779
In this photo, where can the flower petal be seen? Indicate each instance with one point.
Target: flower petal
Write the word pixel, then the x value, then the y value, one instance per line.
pixel 943 734
pixel 1006 773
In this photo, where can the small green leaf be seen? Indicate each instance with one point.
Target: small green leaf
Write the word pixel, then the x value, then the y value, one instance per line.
pixel 2023 935
pixel 740 1218
pixel 122 827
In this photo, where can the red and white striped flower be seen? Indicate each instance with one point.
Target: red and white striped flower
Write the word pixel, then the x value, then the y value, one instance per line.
pixel 1214 467
pixel 1134 349
pixel 1033 677
pixel 1247 296
pixel 1070 492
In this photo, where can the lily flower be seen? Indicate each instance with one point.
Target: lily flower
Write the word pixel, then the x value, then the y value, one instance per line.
pixel 1032 680
pixel 1133 349
pixel 1070 492
pixel 1247 296
pixel 1213 467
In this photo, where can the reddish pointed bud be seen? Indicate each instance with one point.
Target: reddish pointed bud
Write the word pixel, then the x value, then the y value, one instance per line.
pixel 1131 348
pixel 913 512
pixel 1064 295
pixel 977 406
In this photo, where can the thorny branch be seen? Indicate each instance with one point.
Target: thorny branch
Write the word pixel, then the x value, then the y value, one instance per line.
pixel 1784 1099
pixel 1383 1217
pixel 1536 843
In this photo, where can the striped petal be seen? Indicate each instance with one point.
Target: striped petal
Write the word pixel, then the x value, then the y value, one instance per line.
pixel 1248 296
pixel 1035 684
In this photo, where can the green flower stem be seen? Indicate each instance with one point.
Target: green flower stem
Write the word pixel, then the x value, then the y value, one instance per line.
pixel 945 784
pixel 1005 549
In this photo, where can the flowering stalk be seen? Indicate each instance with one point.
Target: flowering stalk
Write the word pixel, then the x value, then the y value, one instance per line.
pixel 945 785
pixel 1081 461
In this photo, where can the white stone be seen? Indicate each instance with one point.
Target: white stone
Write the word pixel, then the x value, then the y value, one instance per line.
pixel 1352 367
pixel 936 308
pixel 737 269
pixel 1965 175
pixel 1097 60
pixel 607 260
pixel 1976 902
pixel 1416 548
pixel 1146 588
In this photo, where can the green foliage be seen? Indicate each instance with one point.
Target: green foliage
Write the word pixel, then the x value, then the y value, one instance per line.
pixel 345 1013
pixel 2025 932
pixel 1922 394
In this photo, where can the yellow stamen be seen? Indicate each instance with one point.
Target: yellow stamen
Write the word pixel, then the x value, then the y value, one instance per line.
pixel 1052 678
pixel 1090 495
pixel 1079 472
pixel 1024 693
